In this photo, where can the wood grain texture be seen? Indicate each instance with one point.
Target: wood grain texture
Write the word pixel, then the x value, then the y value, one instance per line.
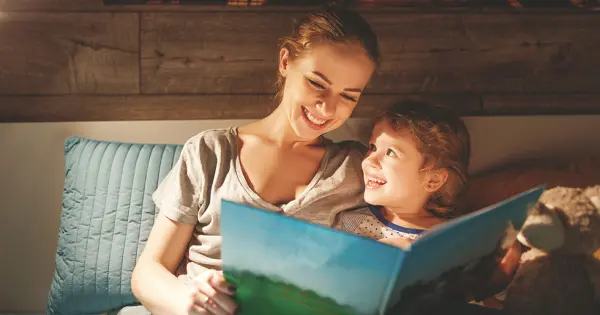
pixel 211 52
pixel 81 66
pixel 463 104
pixel 114 108
pixel 50 5
pixel 544 53
pixel 423 53
pixel 416 6
pixel 542 104
pixel 183 107
pixel 191 107
pixel 59 53
pixel 98 5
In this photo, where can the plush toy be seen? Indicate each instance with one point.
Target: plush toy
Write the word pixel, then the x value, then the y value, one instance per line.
pixel 560 274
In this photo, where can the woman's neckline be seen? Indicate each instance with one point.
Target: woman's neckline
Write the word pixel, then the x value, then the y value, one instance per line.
pixel 285 207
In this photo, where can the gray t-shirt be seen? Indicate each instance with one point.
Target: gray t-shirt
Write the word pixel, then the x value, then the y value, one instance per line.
pixel 209 170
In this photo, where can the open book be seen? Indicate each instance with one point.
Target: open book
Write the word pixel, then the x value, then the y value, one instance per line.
pixel 282 265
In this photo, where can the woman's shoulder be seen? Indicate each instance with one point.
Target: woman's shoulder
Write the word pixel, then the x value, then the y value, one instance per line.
pixel 349 148
pixel 212 138
pixel 345 158
pixel 209 147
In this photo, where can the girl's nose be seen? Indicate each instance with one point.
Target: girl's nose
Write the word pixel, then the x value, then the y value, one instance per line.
pixel 372 160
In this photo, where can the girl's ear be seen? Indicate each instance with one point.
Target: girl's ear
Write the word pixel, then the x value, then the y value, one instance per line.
pixel 284 61
pixel 435 179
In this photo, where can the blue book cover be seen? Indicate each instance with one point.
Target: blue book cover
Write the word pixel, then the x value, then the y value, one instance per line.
pixel 282 265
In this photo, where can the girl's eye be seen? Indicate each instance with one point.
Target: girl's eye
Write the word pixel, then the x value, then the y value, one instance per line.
pixel 315 84
pixel 390 152
pixel 348 97
pixel 372 147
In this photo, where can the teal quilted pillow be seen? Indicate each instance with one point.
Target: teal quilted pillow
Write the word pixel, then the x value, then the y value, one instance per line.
pixel 107 214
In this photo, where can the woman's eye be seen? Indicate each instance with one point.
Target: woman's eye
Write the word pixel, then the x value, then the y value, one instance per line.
pixel 315 84
pixel 390 152
pixel 348 97
pixel 372 147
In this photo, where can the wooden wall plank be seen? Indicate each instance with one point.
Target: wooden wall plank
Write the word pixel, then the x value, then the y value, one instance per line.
pixel 98 5
pixel 61 53
pixel 183 107
pixel 221 65
pixel 190 53
pixel 546 53
pixel 423 53
pixel 541 104
pixel 371 105
pixel 49 5
pixel 109 108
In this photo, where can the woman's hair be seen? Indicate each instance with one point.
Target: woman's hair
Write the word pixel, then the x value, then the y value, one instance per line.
pixel 333 24
pixel 445 143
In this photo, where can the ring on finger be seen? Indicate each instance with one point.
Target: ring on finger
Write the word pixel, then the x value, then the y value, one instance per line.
pixel 208 304
pixel 204 299
pixel 200 297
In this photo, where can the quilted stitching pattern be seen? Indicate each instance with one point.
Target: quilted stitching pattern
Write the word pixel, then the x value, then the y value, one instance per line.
pixel 107 214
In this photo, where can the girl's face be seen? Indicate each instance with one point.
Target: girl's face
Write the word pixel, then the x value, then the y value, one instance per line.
pixel 393 171
pixel 322 87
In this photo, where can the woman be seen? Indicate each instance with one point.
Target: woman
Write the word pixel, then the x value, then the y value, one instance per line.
pixel 281 163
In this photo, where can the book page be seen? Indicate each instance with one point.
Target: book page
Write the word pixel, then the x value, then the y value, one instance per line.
pixel 442 254
pixel 281 265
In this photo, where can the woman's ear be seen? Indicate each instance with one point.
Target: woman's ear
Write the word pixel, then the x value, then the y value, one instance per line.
pixel 284 61
pixel 435 179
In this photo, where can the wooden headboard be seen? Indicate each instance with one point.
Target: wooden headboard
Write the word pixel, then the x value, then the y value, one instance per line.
pixel 80 60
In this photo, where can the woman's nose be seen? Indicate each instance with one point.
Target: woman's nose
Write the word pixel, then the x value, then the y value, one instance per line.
pixel 327 106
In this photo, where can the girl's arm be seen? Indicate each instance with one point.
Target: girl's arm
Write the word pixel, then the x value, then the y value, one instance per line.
pixel 154 283
pixel 503 275
pixel 398 241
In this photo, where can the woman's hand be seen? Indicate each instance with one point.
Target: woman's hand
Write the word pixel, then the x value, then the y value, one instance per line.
pixel 397 241
pixel 210 295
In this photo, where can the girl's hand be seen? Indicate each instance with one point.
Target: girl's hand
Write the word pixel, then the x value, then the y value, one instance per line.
pixel 210 295
pixel 397 241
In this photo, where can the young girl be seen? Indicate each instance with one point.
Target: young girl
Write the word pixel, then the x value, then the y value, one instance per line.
pixel 415 170
pixel 324 66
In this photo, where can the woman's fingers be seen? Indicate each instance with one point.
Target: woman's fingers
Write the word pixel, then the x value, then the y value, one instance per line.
pixel 212 299
pixel 197 310
pixel 201 304
pixel 196 303
pixel 217 280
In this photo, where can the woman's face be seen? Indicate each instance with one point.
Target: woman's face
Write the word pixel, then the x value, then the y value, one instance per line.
pixel 322 87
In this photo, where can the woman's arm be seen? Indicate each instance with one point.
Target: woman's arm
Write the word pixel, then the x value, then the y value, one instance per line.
pixel 155 285
pixel 153 280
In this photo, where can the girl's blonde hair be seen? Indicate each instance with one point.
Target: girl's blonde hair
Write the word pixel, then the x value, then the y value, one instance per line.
pixel 445 143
